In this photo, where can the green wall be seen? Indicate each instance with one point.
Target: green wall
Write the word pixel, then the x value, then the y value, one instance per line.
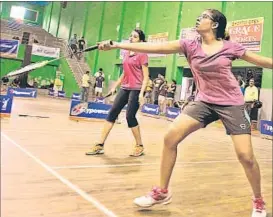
pixel 54 18
pixel 6 7
pixel 99 21
pixel 47 16
pixel 70 84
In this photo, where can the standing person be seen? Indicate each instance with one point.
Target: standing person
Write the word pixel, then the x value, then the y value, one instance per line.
pixel 98 73
pixel 251 95
pixel 99 85
pixel 162 97
pixel 73 45
pixel 85 86
pixel 148 91
pixel 81 43
pixel 157 84
pixel 241 83
pixel 170 93
pixel 218 97
pixel 133 83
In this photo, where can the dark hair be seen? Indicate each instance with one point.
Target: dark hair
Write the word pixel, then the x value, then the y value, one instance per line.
pixel 141 35
pixel 222 23
pixel 87 72
pixel 100 69
pixel 174 81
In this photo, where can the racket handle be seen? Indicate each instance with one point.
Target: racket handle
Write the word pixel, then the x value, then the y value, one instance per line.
pixel 91 48
pixel 110 94
pixel 94 47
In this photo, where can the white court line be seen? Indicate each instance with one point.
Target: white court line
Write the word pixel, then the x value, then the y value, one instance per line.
pixel 75 188
pixel 146 164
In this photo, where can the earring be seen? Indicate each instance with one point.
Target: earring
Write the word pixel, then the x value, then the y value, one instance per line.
pixel 216 26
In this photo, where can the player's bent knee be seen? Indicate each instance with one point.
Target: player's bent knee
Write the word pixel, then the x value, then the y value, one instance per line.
pixel 246 159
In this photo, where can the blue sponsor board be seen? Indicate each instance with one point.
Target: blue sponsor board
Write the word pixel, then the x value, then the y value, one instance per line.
pixel 76 96
pixel 9 48
pixel 61 94
pixel 150 109
pixel 50 92
pixel 22 92
pixel 266 127
pixel 172 112
pixel 6 104
pixel 89 109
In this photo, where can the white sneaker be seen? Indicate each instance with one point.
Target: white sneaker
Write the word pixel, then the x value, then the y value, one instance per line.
pixel 258 208
pixel 156 196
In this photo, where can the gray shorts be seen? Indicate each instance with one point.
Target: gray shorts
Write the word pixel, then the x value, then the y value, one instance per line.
pixel 235 118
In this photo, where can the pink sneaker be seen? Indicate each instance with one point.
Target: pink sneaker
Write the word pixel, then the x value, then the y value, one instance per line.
pixel 258 208
pixel 156 196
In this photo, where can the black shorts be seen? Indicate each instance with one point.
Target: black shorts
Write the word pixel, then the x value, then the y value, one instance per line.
pixel 170 95
pixel 235 118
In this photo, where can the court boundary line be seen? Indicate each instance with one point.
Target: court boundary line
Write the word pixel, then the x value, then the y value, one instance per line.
pixel 65 181
pixel 146 164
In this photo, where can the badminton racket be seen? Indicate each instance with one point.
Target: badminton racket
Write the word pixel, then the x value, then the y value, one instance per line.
pixel 109 94
pixel 37 65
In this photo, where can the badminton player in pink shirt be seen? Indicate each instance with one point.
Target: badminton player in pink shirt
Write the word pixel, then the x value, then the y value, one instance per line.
pixel 218 97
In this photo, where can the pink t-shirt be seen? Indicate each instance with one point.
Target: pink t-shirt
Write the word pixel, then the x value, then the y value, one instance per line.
pixel 132 67
pixel 214 80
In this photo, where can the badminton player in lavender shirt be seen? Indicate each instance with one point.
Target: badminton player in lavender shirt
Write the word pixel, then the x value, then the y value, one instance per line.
pixel 218 97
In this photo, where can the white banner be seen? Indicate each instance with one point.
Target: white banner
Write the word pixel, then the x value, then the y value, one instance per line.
pixel 44 51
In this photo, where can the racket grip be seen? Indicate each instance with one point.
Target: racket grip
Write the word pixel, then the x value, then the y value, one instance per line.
pixel 91 48
pixel 110 94
pixel 95 47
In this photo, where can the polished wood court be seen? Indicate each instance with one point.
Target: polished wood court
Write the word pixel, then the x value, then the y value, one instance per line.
pixel 45 172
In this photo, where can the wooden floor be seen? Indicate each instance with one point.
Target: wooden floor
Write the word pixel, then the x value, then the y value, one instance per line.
pixel 44 170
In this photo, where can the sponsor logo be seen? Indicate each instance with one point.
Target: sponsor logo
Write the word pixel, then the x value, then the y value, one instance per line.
pixel 16 92
pixel 268 127
pixel 172 113
pixel 4 103
pixel 79 109
pixel 148 109
pixel 82 108
pixel 243 126
pixel 96 111
pixel 76 96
